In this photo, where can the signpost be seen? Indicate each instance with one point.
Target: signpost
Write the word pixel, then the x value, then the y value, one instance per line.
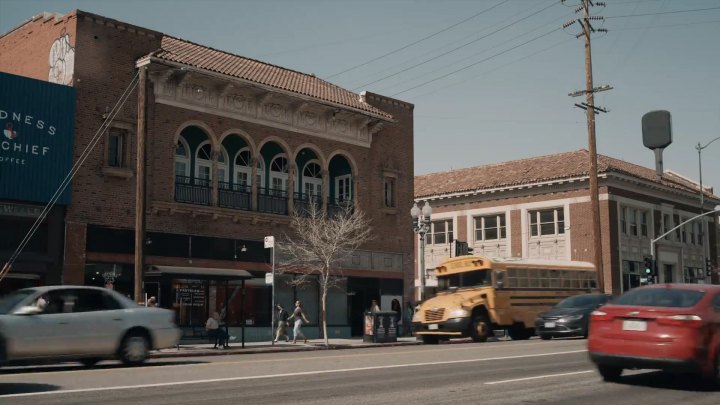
pixel 270 244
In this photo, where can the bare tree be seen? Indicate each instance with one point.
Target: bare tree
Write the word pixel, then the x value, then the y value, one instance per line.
pixel 318 243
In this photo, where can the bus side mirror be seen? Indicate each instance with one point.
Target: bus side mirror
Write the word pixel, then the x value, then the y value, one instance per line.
pixel 499 279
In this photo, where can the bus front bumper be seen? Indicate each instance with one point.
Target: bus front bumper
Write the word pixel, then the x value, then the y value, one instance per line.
pixel 453 326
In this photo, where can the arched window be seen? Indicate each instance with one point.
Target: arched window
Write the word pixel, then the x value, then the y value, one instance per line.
pixel 243 170
pixel 312 180
pixel 182 161
pixel 203 165
pixel 279 174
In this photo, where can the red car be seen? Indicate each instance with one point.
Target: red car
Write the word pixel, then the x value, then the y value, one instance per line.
pixel 670 327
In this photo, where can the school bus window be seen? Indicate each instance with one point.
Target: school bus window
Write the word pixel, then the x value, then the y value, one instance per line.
pixel 476 278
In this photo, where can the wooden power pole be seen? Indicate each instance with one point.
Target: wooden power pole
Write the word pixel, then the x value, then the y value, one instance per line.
pixel 590 108
pixel 140 187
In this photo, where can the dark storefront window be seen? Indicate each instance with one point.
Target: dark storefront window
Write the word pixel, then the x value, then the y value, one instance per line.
pixel 119 277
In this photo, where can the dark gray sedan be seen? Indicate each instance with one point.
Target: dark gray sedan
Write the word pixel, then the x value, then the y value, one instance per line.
pixel 569 317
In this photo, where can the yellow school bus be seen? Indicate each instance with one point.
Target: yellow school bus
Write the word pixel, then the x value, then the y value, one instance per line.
pixel 478 295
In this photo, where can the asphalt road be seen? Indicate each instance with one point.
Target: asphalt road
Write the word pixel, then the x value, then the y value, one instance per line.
pixel 505 372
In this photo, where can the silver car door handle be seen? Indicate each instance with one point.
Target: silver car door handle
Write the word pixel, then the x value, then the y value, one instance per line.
pixel 117 319
pixel 63 323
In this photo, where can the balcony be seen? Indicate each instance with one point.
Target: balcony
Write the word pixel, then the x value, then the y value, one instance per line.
pixel 303 202
pixel 192 191
pixel 235 196
pixel 338 206
pixel 272 201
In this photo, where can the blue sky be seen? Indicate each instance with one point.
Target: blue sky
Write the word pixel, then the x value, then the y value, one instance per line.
pixel 504 96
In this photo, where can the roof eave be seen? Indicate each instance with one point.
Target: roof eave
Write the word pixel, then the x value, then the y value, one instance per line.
pixel 150 58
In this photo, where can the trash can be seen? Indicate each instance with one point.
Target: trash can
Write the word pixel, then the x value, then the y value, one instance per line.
pixel 380 327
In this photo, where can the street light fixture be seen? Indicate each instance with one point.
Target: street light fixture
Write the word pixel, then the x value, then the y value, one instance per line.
pixel 421 226
pixel 702 194
pixel 652 242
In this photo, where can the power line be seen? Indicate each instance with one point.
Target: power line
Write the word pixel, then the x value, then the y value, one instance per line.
pixel 456 48
pixel 418 41
pixel 477 63
pixel 454 63
pixel 663 12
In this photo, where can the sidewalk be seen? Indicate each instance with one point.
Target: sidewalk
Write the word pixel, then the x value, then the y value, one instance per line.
pixel 206 349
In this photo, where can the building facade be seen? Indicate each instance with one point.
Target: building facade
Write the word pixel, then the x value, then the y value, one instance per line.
pixel 233 146
pixel 540 208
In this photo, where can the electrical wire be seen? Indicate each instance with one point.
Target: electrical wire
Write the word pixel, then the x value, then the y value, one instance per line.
pixel 71 174
pixel 477 63
pixel 418 41
pixel 456 48
pixel 663 13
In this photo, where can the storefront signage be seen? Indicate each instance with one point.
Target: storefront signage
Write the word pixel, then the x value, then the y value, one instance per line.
pixel 15 210
pixel 191 297
pixel 36 144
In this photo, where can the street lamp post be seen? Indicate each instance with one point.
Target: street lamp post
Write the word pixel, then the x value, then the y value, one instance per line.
pixel 702 195
pixel 652 242
pixel 421 226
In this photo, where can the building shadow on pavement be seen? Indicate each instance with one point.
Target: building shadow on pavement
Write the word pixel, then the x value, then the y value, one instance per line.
pixel 105 365
pixel 25 388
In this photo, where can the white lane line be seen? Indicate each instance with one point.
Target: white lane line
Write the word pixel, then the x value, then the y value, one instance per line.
pixel 538 377
pixel 295 374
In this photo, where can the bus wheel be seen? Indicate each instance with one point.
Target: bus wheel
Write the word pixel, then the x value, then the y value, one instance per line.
pixel 430 339
pixel 480 329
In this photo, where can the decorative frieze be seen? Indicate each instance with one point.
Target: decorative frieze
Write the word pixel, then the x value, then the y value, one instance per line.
pixel 193 91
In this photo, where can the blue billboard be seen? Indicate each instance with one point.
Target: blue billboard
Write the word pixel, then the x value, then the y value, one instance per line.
pixel 36 144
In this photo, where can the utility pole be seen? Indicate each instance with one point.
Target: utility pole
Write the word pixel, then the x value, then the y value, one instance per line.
pixel 590 108
pixel 140 187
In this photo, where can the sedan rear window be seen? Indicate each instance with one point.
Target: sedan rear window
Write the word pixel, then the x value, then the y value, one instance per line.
pixel 660 297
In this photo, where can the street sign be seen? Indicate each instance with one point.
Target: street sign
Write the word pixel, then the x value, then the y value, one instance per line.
pixel 269 242
pixel 268 278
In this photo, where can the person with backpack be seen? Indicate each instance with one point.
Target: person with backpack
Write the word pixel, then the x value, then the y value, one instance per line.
pixel 282 321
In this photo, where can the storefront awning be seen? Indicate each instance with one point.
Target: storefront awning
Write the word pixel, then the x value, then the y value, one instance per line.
pixel 199 272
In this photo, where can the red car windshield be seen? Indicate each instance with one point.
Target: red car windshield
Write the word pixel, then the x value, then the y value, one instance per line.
pixel 660 297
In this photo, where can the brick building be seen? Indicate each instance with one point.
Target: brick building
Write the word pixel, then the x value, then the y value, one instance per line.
pixel 233 146
pixel 540 208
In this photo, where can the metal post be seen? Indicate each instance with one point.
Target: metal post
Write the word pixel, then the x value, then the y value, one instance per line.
pixel 422 261
pixel 272 318
pixel 702 207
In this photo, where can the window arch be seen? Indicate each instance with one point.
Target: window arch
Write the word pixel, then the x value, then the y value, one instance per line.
pixel 203 164
pixel 222 168
pixel 182 161
pixel 279 173
pixel 243 169
pixel 312 179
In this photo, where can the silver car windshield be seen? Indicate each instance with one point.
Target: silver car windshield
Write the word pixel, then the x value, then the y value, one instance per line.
pixel 10 301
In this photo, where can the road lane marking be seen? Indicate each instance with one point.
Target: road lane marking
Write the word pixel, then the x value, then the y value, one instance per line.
pixel 283 375
pixel 538 377
pixel 160 365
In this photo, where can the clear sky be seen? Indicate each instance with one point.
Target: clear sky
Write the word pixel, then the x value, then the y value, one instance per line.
pixel 503 93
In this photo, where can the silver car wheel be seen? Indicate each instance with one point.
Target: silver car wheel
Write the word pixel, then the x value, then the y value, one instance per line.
pixel 136 349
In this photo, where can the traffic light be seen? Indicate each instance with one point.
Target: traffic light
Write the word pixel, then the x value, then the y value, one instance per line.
pixel 708 267
pixel 648 268
pixel 462 248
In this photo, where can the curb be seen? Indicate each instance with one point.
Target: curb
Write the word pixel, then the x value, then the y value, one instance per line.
pixel 272 349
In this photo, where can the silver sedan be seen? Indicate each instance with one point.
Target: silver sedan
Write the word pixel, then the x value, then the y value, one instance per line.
pixel 81 323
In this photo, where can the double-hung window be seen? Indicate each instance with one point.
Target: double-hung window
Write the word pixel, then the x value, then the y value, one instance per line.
pixel 547 222
pixel 490 227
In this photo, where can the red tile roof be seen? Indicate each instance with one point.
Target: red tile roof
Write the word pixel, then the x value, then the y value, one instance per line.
pixel 202 57
pixel 538 169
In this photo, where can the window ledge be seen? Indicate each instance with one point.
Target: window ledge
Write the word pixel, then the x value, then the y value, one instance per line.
pixel 388 210
pixel 121 172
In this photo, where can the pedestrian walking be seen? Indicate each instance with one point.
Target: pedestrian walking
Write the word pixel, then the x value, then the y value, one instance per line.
pixel 408 315
pixel 298 318
pixel 152 302
pixel 282 322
